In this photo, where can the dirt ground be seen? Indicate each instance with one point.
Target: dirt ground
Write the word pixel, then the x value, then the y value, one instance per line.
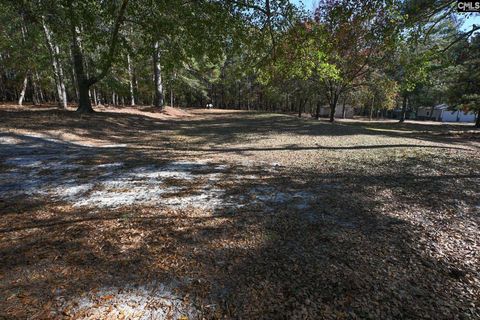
pixel 222 214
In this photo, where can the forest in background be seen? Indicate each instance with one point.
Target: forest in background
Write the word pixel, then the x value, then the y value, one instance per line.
pixel 240 54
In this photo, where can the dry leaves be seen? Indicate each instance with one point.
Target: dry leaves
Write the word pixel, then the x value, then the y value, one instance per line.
pixel 345 221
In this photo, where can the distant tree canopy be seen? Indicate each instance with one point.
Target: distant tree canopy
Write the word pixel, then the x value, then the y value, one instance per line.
pixel 463 89
pixel 256 54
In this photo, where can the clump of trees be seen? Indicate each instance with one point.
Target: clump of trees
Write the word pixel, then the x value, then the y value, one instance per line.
pixel 257 54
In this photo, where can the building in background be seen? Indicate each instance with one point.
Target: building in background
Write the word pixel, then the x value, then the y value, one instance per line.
pixel 444 113
pixel 349 111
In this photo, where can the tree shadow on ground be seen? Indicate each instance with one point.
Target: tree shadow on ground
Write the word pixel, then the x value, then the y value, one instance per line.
pixel 214 130
pixel 360 247
pixel 392 240
pixel 358 252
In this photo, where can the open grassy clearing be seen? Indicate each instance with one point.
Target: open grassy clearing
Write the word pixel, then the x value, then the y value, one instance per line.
pixel 229 214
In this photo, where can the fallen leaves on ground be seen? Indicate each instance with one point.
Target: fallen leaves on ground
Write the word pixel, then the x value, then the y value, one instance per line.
pixel 313 221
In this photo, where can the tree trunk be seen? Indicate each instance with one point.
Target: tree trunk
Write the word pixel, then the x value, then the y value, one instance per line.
pixel 74 78
pixel 57 67
pixel 239 91
pixel 135 88
pixel 84 104
pixel 301 107
pixel 24 91
pixel 317 113
pixel 343 108
pixel 371 109
pixel 95 100
pixel 3 87
pixel 41 95
pixel 130 81
pixel 158 100
pixel 27 76
pixel 84 82
pixel 249 94
pixel 36 94
pixel 333 107
pixel 222 96
pixel 404 109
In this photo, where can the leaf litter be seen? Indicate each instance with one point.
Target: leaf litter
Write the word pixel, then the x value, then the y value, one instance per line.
pixel 274 223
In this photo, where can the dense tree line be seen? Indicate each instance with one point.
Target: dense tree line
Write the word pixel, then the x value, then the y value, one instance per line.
pixel 253 54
